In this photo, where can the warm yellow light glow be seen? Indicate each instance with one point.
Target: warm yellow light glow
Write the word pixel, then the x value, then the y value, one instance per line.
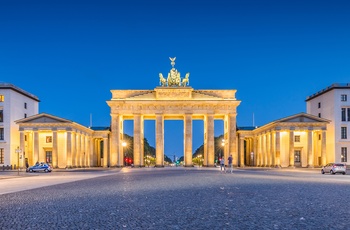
pixel 124 144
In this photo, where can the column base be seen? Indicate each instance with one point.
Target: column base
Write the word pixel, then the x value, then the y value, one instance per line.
pixel 311 166
pixel 291 166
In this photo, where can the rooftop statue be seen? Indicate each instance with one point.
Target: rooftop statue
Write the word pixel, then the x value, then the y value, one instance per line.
pixel 174 78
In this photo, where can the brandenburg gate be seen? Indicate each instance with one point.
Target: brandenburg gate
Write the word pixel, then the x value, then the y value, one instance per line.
pixel 174 99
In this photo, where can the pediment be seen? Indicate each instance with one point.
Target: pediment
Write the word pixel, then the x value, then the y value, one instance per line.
pixel 302 117
pixel 42 118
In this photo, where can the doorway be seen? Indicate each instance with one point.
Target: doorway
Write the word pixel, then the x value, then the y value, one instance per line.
pixel 297 158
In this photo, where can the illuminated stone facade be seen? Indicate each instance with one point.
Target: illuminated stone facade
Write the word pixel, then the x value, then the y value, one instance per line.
pixel 295 141
pixel 172 103
pixel 62 143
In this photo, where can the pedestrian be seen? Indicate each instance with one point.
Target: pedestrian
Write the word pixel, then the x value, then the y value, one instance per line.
pixel 222 165
pixel 230 163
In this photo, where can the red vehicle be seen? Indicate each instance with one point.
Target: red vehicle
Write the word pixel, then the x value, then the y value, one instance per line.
pixel 128 161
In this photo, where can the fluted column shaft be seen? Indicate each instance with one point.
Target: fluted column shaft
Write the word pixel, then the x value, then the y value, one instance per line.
pixel 323 148
pixel 36 146
pixel 188 139
pixel 241 150
pixel 278 148
pixel 69 149
pixel 209 147
pixel 159 140
pixel 310 157
pixel 105 152
pixel 291 148
pixel 54 149
pixel 137 140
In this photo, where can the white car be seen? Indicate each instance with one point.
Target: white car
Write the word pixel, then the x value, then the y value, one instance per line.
pixel 334 168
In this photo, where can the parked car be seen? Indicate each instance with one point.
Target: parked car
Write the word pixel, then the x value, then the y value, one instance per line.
pixel 334 168
pixel 42 167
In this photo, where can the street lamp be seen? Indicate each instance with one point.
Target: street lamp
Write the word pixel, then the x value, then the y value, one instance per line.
pixel 199 160
pixel 124 145
pixel 222 144
pixel 18 151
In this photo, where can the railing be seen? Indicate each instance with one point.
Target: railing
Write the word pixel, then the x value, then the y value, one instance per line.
pixel 8 167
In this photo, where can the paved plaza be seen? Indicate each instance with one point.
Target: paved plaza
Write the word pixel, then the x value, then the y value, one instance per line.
pixel 175 198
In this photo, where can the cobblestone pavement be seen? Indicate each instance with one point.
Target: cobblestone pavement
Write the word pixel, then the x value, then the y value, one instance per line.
pixel 181 198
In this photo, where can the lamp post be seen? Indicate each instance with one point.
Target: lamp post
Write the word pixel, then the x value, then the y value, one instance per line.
pixel 222 144
pixel 124 145
pixel 18 151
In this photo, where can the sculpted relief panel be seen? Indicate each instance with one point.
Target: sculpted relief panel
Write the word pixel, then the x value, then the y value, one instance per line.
pixel 186 107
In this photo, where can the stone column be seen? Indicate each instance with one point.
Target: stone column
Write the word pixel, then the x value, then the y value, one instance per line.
pixel 159 140
pixel 91 151
pixel 241 150
pixel 74 149
pixel 268 149
pixel 261 158
pixel 54 148
pixel 116 154
pixel 272 150
pixel 310 157
pixel 30 151
pixel 105 152
pixel 255 160
pixel 188 139
pixel 96 151
pixel 230 131
pixel 209 147
pixel 323 148
pixel 69 149
pixel 142 137
pixel 83 150
pixel 78 156
pixel 137 140
pixel 278 148
pixel 291 148
pixel 22 147
pixel 36 146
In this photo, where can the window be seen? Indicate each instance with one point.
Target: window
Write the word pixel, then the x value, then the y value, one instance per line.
pixel 2 156
pixel 343 114
pixel 2 98
pixel 25 105
pixel 344 133
pixel 319 137
pixel 344 154
pixel 296 138
pixel 343 97
pixel 48 156
pixel 2 134
pixel 1 115
pixel 319 114
pixel 319 105
pixel 25 115
pixel 48 139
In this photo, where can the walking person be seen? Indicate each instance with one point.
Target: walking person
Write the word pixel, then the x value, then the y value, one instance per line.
pixel 230 163
pixel 222 165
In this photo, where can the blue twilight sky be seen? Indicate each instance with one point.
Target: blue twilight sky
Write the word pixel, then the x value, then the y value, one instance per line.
pixel 274 53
